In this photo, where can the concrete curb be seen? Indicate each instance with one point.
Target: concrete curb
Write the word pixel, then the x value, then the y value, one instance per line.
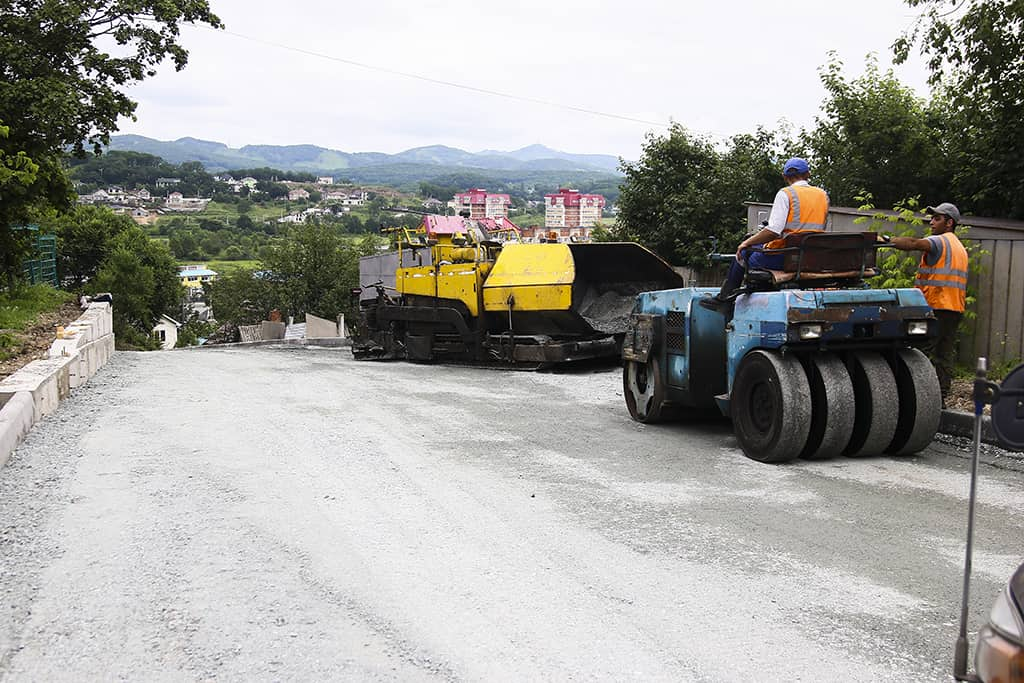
pixel 16 419
pixel 36 390
pixel 959 423
pixel 331 342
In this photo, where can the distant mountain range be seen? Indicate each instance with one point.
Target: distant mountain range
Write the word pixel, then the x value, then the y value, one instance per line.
pixel 216 157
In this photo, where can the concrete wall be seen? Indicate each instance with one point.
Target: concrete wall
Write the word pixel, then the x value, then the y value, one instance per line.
pixel 37 389
pixel 318 328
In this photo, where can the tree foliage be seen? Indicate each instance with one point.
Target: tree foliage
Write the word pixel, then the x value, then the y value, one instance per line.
pixel 684 192
pixel 61 88
pixel 876 136
pixel 975 51
pixel 309 269
pixel 85 238
pixel 143 278
pixel 315 270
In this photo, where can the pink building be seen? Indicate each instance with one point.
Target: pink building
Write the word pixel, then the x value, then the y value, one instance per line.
pixel 572 212
pixel 482 204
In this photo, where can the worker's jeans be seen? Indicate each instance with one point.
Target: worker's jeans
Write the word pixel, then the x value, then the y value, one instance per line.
pixel 756 260
pixel 942 349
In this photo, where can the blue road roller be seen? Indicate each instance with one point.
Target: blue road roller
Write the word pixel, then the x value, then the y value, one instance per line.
pixel 809 362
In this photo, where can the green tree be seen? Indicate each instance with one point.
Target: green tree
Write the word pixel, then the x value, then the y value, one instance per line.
pixel 314 271
pixel 272 189
pixel 234 253
pixel 213 243
pixel 60 88
pixel 975 51
pixel 85 238
pixel 18 174
pixel 143 278
pixel 184 244
pixel 876 136
pixel 684 192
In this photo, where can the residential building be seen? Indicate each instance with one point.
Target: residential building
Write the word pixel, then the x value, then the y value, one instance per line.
pixel 325 180
pixel 97 197
pixel 573 211
pixel 482 204
pixel 167 182
pixel 176 202
pixel 166 332
pixel 194 275
pixel 297 193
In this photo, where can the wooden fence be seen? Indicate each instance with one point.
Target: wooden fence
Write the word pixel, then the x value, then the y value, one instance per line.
pixel 997 330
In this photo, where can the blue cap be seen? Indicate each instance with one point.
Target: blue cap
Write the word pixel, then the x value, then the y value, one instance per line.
pixel 796 166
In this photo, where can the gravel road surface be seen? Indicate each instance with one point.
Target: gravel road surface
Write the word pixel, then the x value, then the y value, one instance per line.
pixel 292 514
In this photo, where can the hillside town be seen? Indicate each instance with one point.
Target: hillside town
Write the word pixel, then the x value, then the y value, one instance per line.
pixel 568 214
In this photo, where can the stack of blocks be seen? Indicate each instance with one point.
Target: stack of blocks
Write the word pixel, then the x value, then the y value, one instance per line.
pixel 34 391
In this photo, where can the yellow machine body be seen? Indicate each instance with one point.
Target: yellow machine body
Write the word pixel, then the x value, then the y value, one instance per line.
pixel 467 295
pixel 459 275
pixel 533 277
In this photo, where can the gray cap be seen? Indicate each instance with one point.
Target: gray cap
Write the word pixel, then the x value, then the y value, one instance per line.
pixel 946 209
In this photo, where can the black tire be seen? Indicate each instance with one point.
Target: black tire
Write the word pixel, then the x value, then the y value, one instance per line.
pixel 770 406
pixel 832 407
pixel 644 389
pixel 920 403
pixel 877 404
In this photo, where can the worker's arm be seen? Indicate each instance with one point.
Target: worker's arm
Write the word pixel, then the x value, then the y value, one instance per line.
pixel 773 227
pixel 911 244
pixel 762 236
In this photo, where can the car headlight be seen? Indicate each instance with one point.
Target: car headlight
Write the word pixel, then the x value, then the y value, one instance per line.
pixel 917 327
pixel 810 331
pixel 1000 652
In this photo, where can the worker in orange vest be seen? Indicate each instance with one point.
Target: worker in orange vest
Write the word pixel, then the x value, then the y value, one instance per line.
pixel 942 276
pixel 798 207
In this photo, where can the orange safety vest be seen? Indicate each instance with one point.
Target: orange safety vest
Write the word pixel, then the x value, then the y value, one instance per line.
pixel 808 211
pixel 945 283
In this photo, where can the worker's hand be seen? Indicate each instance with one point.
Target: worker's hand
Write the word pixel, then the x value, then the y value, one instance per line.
pixel 739 253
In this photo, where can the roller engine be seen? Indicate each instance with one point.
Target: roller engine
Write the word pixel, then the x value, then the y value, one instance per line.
pixel 811 364
pixel 455 290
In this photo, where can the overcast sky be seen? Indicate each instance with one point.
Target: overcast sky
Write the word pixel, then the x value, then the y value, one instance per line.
pixel 716 67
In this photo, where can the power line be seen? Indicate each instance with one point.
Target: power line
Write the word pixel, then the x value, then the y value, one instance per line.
pixel 437 81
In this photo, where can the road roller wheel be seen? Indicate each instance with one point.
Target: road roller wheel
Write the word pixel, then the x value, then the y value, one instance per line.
pixel 644 389
pixel 771 406
pixel 920 403
pixel 877 404
pixel 832 407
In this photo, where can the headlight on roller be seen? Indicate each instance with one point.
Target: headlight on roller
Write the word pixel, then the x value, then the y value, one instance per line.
pixel 917 327
pixel 1000 652
pixel 812 331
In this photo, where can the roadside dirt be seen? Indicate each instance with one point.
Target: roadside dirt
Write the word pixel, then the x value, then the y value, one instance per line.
pixel 35 341
pixel 959 398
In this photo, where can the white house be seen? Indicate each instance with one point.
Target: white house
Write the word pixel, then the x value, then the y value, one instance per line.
pixel 298 193
pixel 176 202
pixel 325 180
pixel 166 332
